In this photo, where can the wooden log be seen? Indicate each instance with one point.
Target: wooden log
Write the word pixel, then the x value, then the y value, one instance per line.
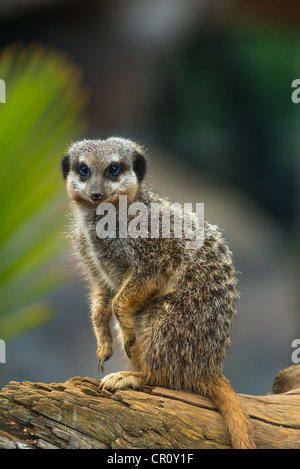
pixel 77 414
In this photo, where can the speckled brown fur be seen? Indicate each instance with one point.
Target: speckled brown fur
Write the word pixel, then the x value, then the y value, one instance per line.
pixel 174 306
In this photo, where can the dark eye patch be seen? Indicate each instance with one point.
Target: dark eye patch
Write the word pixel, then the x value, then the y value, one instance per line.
pixel 83 170
pixel 113 171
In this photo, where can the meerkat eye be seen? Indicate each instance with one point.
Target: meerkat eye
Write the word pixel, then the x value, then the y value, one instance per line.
pixel 113 170
pixel 83 170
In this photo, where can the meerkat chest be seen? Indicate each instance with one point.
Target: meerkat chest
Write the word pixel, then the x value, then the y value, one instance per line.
pixel 105 259
pixel 113 262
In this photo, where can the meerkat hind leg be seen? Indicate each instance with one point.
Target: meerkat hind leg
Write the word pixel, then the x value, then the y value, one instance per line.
pixel 122 380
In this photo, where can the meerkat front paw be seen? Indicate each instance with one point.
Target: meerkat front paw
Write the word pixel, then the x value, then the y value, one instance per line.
pixel 104 352
pixel 121 380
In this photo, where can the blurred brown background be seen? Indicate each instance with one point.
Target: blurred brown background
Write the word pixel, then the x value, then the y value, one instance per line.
pixel 206 86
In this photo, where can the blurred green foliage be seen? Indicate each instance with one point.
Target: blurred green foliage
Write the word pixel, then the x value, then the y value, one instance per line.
pixel 42 114
pixel 226 107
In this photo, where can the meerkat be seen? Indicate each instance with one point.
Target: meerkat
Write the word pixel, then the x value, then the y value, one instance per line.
pixel 174 306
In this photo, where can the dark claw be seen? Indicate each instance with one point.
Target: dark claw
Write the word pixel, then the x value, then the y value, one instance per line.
pixel 127 346
pixel 127 349
pixel 101 363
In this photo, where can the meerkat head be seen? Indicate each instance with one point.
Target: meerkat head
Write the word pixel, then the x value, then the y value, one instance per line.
pixel 98 171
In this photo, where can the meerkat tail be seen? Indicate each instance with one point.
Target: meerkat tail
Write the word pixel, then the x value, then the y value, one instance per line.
pixel 235 417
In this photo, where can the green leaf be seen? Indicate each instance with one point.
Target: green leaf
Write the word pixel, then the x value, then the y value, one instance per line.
pixel 24 320
pixel 42 115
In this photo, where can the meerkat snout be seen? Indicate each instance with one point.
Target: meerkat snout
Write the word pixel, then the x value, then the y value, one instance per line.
pixel 96 195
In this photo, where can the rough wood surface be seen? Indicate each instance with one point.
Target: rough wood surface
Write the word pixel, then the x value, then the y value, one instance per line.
pixel 77 414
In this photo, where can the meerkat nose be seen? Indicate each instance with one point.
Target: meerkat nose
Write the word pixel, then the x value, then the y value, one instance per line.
pixel 96 195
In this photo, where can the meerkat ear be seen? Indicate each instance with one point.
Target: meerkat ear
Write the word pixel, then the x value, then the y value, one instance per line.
pixel 65 166
pixel 139 166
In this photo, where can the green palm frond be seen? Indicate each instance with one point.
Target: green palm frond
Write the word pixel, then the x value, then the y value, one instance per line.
pixel 42 114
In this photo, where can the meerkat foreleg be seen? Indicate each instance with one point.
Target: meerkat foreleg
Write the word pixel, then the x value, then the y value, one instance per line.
pixel 136 291
pixel 101 314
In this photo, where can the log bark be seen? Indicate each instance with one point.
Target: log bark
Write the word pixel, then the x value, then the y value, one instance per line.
pixel 77 414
